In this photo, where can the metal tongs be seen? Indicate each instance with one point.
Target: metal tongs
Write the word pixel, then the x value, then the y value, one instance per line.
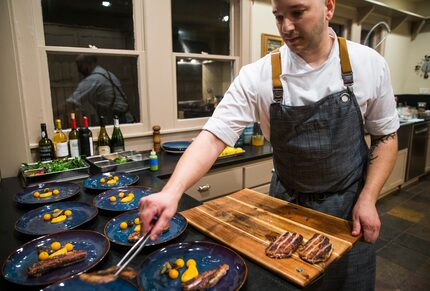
pixel 134 250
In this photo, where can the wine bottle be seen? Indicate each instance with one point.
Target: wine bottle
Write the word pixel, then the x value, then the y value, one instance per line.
pixel 117 141
pixel 103 141
pixel 73 138
pixel 60 141
pixel 46 147
pixel 85 139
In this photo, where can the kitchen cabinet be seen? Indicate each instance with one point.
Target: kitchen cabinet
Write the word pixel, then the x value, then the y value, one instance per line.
pixel 427 168
pixel 258 176
pixel 218 182
pixel 397 176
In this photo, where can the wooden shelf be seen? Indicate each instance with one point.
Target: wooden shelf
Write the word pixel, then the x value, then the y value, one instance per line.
pixel 398 16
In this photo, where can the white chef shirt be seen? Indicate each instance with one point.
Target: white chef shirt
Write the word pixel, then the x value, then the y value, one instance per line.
pixel 249 97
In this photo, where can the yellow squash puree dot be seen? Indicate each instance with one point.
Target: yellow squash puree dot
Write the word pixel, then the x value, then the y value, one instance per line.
pixel 55 246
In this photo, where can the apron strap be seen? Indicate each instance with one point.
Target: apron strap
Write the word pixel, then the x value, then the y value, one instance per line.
pixel 347 77
pixel 278 92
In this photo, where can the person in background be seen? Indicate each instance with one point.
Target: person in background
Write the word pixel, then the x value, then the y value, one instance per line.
pixel 102 89
pixel 315 98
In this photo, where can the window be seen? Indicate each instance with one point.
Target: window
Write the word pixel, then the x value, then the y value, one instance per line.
pixel 92 59
pixel 339 29
pixel 202 46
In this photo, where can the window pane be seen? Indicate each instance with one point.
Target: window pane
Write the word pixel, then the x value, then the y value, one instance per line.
pixel 111 78
pixel 338 28
pixel 201 85
pixel 80 23
pixel 201 26
pixel 370 39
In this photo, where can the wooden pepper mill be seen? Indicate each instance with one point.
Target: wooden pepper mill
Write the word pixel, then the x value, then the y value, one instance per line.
pixel 156 138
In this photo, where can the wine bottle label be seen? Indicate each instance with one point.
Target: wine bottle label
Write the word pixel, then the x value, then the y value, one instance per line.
pixel 104 150
pixel 74 147
pixel 91 146
pixel 45 153
pixel 43 134
pixel 116 149
pixel 61 150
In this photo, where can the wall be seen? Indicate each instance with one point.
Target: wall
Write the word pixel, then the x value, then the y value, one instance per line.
pixel 418 49
pixel 401 53
pixel 263 21
pixel 13 129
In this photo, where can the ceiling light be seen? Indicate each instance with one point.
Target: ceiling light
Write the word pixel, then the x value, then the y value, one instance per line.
pixel 106 3
pixel 225 18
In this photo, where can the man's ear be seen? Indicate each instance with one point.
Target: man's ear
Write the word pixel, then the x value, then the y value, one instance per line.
pixel 329 9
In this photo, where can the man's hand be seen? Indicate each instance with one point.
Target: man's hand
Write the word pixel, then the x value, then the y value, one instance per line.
pixel 365 219
pixel 161 205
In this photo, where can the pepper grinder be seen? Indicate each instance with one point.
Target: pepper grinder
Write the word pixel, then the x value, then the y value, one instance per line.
pixel 156 138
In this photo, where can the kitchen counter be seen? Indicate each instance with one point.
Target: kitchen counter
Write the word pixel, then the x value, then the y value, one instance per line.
pixel 258 278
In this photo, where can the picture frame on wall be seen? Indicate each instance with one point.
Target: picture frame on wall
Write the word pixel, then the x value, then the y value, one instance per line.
pixel 270 42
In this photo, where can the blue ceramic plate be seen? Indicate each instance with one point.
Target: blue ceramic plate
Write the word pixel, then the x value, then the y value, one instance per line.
pixel 176 147
pixel 125 179
pixel 102 200
pixel 15 267
pixel 177 226
pixel 76 284
pixel 207 256
pixel 32 222
pixel 66 190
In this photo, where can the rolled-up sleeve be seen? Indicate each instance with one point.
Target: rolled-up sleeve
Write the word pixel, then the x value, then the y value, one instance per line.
pixel 381 116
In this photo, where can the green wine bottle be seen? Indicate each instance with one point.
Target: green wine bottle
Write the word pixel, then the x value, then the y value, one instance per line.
pixel 73 138
pixel 103 141
pixel 46 147
pixel 117 141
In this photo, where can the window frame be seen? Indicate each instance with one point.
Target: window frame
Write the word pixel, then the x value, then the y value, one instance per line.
pixel 233 56
pixel 129 130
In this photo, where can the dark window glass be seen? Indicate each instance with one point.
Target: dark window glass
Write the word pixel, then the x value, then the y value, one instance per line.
pixel 93 95
pixel 80 23
pixel 370 40
pixel 338 28
pixel 201 26
pixel 201 85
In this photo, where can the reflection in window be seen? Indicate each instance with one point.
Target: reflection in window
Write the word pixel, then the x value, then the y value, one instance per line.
pixel 201 26
pixel 370 41
pixel 110 86
pixel 339 29
pixel 201 83
pixel 80 23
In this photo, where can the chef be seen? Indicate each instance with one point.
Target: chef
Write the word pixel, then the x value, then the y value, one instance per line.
pixel 315 98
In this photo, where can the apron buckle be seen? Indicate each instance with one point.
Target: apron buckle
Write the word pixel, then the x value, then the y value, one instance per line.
pixel 278 94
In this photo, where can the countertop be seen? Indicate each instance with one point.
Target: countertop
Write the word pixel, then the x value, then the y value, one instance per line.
pixel 258 278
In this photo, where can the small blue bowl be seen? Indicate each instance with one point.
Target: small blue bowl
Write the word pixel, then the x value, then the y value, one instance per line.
pixel 67 190
pixel 15 267
pixel 77 284
pixel 124 180
pixel 207 256
pixel 32 222
pixel 177 225
pixel 176 147
pixel 102 200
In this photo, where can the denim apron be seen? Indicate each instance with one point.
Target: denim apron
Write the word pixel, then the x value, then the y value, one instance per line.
pixel 320 158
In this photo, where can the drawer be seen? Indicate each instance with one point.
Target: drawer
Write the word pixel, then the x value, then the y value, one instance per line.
pixel 216 184
pixel 258 174
pixel 262 189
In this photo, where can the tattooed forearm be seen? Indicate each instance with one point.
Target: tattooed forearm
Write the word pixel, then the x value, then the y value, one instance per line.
pixel 376 141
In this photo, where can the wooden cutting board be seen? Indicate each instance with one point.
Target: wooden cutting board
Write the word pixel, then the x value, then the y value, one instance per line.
pixel 247 221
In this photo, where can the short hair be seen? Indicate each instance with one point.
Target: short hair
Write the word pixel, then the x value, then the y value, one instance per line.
pixel 86 59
